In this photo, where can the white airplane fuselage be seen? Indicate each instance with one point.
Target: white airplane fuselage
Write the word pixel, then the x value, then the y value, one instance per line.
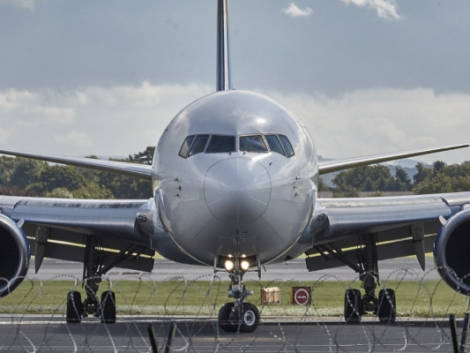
pixel 241 204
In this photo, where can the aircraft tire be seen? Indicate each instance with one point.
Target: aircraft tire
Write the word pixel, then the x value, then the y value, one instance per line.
pixel 74 307
pixel 352 306
pixel 250 318
pixel 108 307
pixel 386 307
pixel 224 318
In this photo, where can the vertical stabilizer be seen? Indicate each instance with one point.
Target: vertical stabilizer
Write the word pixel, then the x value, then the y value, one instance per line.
pixel 223 47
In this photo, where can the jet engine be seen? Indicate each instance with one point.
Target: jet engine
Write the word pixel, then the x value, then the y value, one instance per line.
pixel 14 255
pixel 452 252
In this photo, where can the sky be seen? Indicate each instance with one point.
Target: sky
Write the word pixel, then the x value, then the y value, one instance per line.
pixel 105 77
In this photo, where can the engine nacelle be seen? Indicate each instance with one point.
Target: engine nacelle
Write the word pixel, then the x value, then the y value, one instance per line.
pixel 452 252
pixel 15 254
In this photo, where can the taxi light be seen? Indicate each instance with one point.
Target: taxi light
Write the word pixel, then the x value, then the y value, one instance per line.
pixel 245 265
pixel 229 265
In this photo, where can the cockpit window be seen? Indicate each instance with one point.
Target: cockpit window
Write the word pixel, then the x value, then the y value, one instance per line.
pixel 287 146
pixel 194 144
pixel 274 144
pixel 221 144
pixel 184 150
pixel 253 143
pixel 199 144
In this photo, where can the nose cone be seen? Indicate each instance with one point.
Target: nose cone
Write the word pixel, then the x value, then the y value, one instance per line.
pixel 237 190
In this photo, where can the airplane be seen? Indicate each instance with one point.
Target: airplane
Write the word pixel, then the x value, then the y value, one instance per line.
pixel 235 179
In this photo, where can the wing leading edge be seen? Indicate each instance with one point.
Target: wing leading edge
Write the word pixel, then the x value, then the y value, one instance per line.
pixel 337 165
pixel 134 169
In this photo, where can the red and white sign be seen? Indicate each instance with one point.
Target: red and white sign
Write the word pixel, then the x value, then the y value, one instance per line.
pixel 301 295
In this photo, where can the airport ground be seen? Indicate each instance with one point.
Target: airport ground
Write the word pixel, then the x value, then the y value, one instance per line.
pixel 200 333
pixel 130 335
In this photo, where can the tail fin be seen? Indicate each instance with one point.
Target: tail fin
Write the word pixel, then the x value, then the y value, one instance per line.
pixel 223 47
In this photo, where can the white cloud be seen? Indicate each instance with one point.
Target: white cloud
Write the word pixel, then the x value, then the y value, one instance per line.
pixel 373 121
pixel 387 9
pixel 108 121
pixel 4 134
pixel 31 109
pixel 118 120
pixel 294 11
pixel 74 139
pixel 24 4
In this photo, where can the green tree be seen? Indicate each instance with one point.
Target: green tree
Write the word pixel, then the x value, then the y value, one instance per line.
pixel 62 193
pixel 421 173
pixel 402 179
pixel 25 170
pixel 144 157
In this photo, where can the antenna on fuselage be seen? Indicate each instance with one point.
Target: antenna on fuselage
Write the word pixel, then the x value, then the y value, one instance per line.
pixel 223 47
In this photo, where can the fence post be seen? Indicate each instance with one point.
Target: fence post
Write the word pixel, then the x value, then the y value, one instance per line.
pixel 153 338
pixel 463 339
pixel 171 335
pixel 453 332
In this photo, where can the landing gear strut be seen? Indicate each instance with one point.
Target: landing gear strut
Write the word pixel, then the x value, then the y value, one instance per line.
pixel 364 262
pixel 95 265
pixel 93 269
pixel 384 306
pixel 238 315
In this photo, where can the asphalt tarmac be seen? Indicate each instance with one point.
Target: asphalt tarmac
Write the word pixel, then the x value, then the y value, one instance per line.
pixel 404 268
pixel 23 334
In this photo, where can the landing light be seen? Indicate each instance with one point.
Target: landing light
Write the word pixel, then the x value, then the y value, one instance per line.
pixel 229 265
pixel 245 265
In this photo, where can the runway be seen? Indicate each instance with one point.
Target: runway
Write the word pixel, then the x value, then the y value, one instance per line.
pixel 39 335
pixel 291 270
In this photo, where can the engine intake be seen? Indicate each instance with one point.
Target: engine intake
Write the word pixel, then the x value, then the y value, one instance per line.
pixel 14 255
pixel 452 252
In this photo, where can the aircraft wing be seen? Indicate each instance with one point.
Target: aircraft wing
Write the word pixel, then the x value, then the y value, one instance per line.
pixel 139 170
pixel 397 226
pixel 61 228
pixel 337 165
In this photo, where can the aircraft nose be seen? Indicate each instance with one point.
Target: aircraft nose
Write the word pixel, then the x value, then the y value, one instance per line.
pixel 237 190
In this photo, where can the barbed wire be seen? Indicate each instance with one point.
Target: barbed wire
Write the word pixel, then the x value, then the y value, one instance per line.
pixel 32 318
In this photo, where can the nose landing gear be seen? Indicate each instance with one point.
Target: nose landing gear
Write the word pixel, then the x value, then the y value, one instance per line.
pixel 238 315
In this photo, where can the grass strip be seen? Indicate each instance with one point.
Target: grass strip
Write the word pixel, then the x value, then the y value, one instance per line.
pixel 414 298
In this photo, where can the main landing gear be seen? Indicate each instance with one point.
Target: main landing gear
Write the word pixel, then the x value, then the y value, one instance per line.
pixel 238 316
pixel 95 265
pixel 384 306
pixel 364 262
pixel 105 309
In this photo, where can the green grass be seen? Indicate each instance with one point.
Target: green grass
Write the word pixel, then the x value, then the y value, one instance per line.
pixel 415 299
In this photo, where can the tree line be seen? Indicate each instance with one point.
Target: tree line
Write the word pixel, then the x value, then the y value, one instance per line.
pixel 379 178
pixel 26 177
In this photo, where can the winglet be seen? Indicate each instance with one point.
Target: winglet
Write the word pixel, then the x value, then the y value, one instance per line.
pixel 223 47
pixel 334 166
